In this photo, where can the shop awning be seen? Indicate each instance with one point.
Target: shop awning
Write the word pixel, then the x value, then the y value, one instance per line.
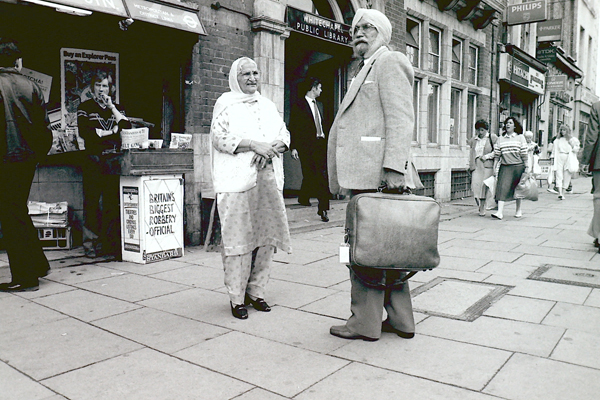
pixel 172 14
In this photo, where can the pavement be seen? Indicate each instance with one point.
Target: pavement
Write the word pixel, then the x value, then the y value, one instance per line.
pixel 512 312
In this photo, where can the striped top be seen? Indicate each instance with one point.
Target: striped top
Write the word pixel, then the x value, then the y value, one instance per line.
pixel 511 150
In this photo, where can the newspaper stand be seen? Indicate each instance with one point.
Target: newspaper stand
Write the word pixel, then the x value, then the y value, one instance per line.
pixel 151 190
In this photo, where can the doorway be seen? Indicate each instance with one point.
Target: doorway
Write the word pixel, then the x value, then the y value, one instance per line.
pixel 306 56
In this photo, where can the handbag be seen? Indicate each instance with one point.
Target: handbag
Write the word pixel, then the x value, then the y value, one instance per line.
pixel 527 188
pixel 536 169
pixel 393 231
pixel 572 163
pixel 490 182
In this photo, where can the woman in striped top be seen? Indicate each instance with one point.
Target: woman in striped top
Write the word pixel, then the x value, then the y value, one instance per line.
pixel 510 160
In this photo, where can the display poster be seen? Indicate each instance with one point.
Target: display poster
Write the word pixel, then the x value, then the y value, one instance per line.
pixel 131 216
pixel 163 219
pixel 44 81
pixel 77 68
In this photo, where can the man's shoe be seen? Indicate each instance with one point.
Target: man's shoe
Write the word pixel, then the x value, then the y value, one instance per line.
pixel 258 304
pixel 345 333
pixel 596 243
pixel 239 311
pixel 387 327
pixel 46 273
pixel 304 203
pixel 323 215
pixel 18 287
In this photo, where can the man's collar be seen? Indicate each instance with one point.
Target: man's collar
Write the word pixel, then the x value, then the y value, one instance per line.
pixel 12 70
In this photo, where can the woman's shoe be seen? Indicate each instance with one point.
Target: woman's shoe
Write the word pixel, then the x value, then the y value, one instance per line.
pixel 239 311
pixel 497 216
pixel 561 197
pixel 258 304
pixel 518 215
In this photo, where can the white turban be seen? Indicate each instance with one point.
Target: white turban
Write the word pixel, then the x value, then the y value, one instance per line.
pixel 377 18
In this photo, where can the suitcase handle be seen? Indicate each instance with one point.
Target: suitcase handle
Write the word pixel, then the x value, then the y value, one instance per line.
pixel 384 189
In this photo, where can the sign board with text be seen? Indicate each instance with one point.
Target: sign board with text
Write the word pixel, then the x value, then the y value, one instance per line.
pixel 165 15
pixel 549 31
pixel 319 27
pixel 557 83
pixel 520 74
pixel 526 13
pixel 151 218
pixel 546 55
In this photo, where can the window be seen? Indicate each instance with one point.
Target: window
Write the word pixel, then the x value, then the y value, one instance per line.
pixel 433 109
pixel 455 96
pixel 413 41
pixel 434 50
pixel 471 113
pixel 416 86
pixel 473 65
pixel 456 59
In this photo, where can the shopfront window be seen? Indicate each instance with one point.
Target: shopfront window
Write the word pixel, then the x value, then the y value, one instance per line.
pixel 456 58
pixel 471 113
pixel 434 50
pixel 433 108
pixel 473 65
pixel 416 90
pixel 413 41
pixel 455 100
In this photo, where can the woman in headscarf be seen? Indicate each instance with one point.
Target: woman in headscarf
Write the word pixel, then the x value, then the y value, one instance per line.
pixel 510 153
pixel 248 138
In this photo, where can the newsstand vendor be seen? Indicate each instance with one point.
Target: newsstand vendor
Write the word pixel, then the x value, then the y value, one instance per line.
pixel 100 123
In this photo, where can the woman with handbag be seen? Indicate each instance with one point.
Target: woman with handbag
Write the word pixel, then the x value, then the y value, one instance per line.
pixel 510 164
pixel 565 158
pixel 481 162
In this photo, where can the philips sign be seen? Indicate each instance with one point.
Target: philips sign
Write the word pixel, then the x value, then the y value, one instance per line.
pixel 526 13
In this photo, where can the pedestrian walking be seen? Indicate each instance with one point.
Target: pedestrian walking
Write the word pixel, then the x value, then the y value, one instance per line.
pixel 25 138
pixel 481 162
pixel 510 164
pixel 565 151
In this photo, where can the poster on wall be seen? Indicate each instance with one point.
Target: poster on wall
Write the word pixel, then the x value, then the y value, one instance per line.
pixel 77 68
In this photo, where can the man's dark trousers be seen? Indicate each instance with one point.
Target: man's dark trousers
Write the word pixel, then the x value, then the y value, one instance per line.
pixel 26 257
pixel 315 182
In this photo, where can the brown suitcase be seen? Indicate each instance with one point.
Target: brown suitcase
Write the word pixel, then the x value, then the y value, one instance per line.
pixel 393 231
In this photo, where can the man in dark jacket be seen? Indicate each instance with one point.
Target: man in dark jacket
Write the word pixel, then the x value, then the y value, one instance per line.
pixel 24 137
pixel 309 143
pixel 590 156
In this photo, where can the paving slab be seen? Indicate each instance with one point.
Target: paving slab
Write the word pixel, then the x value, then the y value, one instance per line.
pixel 82 273
pixel 507 269
pixel 84 305
pixel 594 299
pixel 16 385
pixel 540 260
pixel 358 381
pixel 520 309
pixel 567 275
pixel 152 268
pixel 67 344
pixel 573 316
pixel 295 295
pixel 131 287
pixel 260 394
pixel 492 255
pixel 195 276
pixel 276 367
pixel 526 377
pixel 441 360
pixel 18 314
pixel 580 348
pixel 551 291
pixel 323 273
pixel 496 333
pixel 159 330
pixel 145 374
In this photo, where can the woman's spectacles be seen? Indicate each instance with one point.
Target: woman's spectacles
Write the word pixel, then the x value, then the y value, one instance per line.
pixel 364 27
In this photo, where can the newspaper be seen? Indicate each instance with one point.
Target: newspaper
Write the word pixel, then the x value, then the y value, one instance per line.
pixel 136 138
pixel 181 141
pixel 48 214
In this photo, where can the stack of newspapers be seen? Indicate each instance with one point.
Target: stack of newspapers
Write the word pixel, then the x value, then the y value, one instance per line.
pixel 49 215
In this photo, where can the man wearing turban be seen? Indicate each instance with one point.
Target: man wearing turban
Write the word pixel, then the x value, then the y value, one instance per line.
pixel 369 145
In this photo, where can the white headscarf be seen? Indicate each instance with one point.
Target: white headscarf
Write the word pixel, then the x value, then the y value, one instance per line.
pixel 235 95
pixel 377 18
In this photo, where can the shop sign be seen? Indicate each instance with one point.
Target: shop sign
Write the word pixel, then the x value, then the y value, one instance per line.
pixel 114 7
pixel 520 74
pixel 557 83
pixel 526 13
pixel 549 31
pixel 319 27
pixel 546 55
pixel 160 14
